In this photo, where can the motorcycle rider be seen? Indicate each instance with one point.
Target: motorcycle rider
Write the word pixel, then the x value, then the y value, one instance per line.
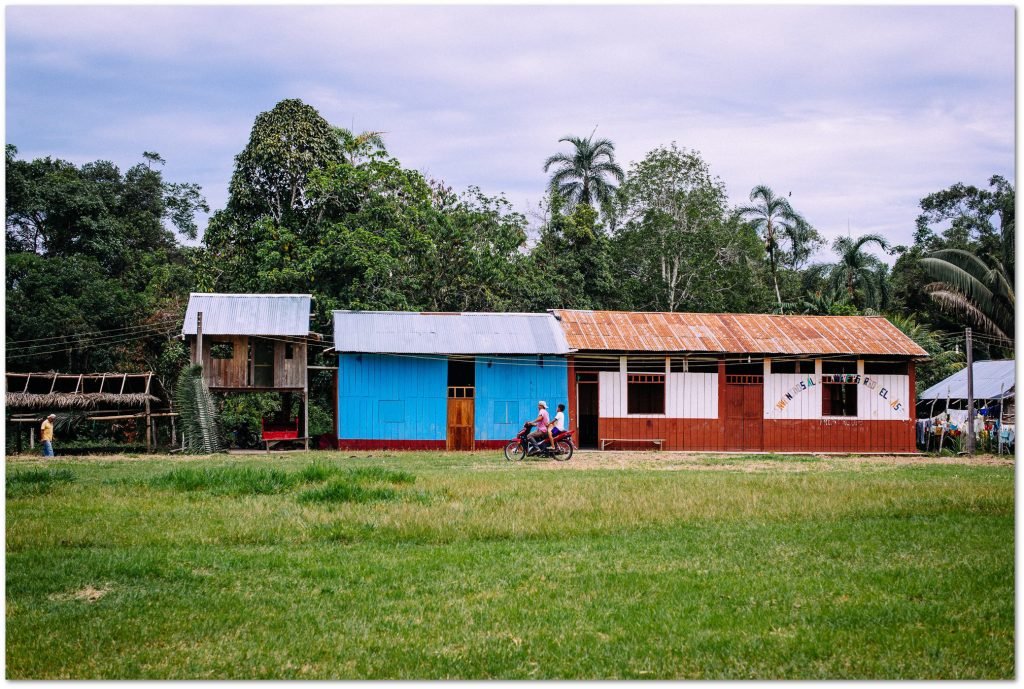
pixel 540 430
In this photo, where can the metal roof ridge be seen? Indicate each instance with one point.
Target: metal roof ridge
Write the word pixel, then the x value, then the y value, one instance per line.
pixel 250 295
pixel 451 313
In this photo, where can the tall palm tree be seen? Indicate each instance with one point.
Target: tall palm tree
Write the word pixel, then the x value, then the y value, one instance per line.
pixel 582 176
pixel 966 286
pixel 858 269
pixel 773 218
pixel 828 301
pixel 359 146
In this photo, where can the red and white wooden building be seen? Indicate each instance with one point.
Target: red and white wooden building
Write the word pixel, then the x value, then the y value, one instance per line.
pixel 740 382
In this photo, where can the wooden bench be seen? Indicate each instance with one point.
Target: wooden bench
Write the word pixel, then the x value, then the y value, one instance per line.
pixel 608 441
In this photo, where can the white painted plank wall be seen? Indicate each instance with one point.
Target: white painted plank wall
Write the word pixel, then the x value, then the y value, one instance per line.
pixel 687 396
pixel 806 403
pixel 873 406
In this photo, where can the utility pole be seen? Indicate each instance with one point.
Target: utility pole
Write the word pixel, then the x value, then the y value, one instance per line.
pixel 970 393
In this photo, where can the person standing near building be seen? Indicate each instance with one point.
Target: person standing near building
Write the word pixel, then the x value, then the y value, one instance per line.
pixel 46 435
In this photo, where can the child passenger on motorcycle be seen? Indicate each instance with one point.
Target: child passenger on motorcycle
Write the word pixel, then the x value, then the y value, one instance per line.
pixel 558 425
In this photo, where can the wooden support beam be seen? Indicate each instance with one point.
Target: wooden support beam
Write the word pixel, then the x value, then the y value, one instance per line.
pixel 78 385
pixel 27 379
pixel 54 383
pixel 149 418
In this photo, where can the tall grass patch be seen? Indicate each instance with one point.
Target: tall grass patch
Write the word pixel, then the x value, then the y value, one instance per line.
pixel 32 482
pixel 342 490
pixel 226 480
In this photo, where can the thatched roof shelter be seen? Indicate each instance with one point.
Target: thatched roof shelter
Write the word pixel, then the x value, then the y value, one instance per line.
pixel 80 391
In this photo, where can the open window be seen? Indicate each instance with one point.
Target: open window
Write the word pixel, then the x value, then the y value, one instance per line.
pixel 646 393
pixel 886 368
pixel 839 388
pixel 222 350
pixel 804 366
pixel 461 376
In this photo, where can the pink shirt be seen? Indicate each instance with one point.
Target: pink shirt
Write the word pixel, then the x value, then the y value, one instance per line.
pixel 544 419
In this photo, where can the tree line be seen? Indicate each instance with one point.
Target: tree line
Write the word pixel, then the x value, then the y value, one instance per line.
pixel 98 274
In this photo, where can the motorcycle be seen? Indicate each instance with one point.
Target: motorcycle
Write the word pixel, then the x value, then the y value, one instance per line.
pixel 522 447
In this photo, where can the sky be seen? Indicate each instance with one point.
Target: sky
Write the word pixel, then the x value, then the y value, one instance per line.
pixel 855 112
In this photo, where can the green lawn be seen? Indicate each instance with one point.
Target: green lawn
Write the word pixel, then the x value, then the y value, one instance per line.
pixel 322 565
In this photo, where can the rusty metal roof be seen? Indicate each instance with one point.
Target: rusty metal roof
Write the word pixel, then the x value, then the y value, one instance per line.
pixel 410 332
pixel 736 333
pixel 248 314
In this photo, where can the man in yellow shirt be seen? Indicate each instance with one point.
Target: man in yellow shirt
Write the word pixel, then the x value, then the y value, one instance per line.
pixel 46 435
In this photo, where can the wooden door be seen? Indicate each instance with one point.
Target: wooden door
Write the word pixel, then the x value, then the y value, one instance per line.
pixel 744 413
pixel 263 363
pixel 460 423
pixel 753 416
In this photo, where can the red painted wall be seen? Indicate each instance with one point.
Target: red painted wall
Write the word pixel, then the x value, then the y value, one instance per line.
pixel 778 436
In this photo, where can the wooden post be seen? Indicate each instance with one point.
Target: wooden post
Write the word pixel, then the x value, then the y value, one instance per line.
pixel 1003 408
pixel 722 411
pixel 18 426
pixel 32 437
pixel 199 338
pixel 149 419
pixel 572 401
pixel 305 397
pixel 335 434
pixel 970 393
pixel 305 412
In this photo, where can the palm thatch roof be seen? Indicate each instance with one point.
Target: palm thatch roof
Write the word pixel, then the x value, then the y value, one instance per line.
pixel 71 400
pixel 81 391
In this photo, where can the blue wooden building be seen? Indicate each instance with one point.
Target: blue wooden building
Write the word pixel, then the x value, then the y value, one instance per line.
pixel 457 381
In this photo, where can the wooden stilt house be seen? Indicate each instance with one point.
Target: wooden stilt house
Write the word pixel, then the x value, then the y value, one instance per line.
pixel 254 343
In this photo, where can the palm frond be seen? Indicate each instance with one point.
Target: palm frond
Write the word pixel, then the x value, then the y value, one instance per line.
pixel 197 412
pixel 955 302
pixel 557 158
pixel 957 278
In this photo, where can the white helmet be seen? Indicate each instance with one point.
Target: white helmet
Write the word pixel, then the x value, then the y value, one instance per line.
pixel 543 404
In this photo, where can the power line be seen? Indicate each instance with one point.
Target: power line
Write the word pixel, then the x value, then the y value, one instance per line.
pixel 93 342
pixel 90 334
pixel 89 345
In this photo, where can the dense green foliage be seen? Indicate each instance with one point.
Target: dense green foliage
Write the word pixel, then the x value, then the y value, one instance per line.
pixel 438 566
pixel 98 275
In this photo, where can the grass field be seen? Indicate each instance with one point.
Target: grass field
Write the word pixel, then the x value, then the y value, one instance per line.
pixel 326 565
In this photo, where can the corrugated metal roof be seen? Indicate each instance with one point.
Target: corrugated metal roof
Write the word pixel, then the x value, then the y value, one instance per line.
pixel 734 333
pixel 406 332
pixel 248 314
pixel 991 379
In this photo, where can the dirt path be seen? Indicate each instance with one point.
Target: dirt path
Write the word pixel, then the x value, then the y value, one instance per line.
pixel 678 461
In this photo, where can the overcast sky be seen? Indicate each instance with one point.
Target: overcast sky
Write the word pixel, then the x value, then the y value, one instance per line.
pixel 856 111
